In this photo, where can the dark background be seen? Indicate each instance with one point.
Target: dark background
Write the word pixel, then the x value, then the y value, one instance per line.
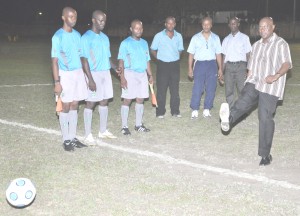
pixel 22 12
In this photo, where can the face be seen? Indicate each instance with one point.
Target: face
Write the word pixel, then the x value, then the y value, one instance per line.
pixel 234 25
pixel 99 22
pixel 136 29
pixel 266 28
pixel 206 26
pixel 70 18
pixel 170 24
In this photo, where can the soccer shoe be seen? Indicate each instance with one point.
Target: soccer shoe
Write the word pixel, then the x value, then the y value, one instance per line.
pixel 206 113
pixel 68 146
pixel 266 160
pixel 125 131
pixel 76 143
pixel 89 139
pixel 141 128
pixel 224 116
pixel 194 114
pixel 106 134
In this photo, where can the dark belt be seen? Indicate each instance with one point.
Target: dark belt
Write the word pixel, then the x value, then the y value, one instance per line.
pixel 238 62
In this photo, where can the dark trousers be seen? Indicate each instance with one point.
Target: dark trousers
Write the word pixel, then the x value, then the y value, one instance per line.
pixel 267 104
pixel 205 78
pixel 168 76
pixel 235 76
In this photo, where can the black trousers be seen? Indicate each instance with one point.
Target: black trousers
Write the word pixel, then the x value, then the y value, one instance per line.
pixel 267 105
pixel 168 76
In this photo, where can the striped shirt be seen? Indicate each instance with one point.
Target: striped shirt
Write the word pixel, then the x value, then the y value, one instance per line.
pixel 266 59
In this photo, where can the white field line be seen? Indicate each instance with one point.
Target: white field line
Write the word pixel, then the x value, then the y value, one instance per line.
pixel 170 159
pixel 50 84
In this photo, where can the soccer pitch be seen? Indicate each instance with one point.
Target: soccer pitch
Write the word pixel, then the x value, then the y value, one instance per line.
pixel 181 167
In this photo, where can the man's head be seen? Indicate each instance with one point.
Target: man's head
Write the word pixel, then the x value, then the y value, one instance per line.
pixel 136 28
pixel 69 16
pixel 206 24
pixel 234 24
pixel 266 28
pixel 170 23
pixel 99 21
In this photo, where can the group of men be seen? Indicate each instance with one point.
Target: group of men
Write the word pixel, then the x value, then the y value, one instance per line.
pixel 81 71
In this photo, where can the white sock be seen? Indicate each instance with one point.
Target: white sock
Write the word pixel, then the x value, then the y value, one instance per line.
pixel 87 116
pixel 124 115
pixel 139 112
pixel 64 125
pixel 103 113
pixel 73 118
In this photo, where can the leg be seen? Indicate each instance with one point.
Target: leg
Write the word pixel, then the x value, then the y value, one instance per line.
pixel 103 114
pixel 241 77
pixel 210 84
pixel 229 84
pixel 125 112
pixel 266 108
pixel 139 112
pixel 198 86
pixel 162 80
pixel 88 116
pixel 174 87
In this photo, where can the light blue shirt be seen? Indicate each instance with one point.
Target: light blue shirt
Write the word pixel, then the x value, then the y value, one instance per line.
pixel 66 47
pixel 96 48
pixel 168 49
pixel 135 54
pixel 205 50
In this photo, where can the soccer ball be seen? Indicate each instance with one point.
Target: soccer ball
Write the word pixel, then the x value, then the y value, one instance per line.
pixel 20 192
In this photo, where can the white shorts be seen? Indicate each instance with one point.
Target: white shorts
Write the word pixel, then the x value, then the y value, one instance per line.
pixel 74 86
pixel 137 85
pixel 104 86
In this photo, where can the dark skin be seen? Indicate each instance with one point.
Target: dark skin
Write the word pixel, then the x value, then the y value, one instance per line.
pixel 206 26
pixel 99 21
pixel 170 25
pixel 233 25
pixel 136 29
pixel 69 17
pixel 266 29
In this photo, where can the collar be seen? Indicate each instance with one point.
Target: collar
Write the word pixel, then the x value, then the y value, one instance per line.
pixel 165 32
pixel 270 39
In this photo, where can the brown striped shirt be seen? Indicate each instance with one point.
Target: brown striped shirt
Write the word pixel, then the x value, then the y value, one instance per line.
pixel 266 59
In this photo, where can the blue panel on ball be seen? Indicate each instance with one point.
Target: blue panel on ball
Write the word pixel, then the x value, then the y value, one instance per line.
pixel 13 196
pixel 20 182
pixel 28 194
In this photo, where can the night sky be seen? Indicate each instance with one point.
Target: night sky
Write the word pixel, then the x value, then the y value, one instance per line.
pixel 22 12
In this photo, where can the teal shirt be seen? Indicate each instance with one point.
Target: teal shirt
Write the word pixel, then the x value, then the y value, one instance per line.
pixel 168 49
pixel 66 47
pixel 135 54
pixel 96 49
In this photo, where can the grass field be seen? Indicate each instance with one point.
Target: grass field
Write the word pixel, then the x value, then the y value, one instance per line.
pixel 182 167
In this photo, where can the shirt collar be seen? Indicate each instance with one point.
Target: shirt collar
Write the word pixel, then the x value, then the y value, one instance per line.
pixel 270 39
pixel 165 32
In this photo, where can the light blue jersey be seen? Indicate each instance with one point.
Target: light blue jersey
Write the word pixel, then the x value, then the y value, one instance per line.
pixel 66 47
pixel 205 50
pixel 168 49
pixel 135 54
pixel 96 48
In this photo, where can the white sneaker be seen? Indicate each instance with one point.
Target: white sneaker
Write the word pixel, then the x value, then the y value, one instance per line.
pixel 206 113
pixel 224 116
pixel 160 117
pixel 89 139
pixel 194 114
pixel 106 134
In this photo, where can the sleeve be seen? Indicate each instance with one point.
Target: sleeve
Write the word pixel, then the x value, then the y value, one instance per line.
pixel 180 45
pixel 191 48
pixel 250 62
pixel 55 47
pixel 154 45
pixel 122 51
pixel 286 54
pixel 224 43
pixel 248 45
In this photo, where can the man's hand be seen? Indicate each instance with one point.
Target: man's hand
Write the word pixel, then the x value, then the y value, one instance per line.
pixel 123 82
pixel 92 85
pixel 150 79
pixel 272 78
pixel 191 74
pixel 57 88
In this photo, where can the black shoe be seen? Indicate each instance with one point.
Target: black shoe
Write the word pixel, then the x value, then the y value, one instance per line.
pixel 76 143
pixel 68 145
pixel 141 128
pixel 266 160
pixel 125 131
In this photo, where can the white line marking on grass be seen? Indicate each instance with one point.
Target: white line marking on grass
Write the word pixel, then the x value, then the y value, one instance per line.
pixel 169 159
pixel 24 85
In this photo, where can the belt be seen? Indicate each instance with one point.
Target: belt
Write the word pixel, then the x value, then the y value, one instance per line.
pixel 238 62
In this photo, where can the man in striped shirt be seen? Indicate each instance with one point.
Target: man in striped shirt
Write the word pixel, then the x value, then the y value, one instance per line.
pixel 269 62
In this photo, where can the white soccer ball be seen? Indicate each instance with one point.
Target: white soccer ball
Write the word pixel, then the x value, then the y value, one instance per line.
pixel 20 192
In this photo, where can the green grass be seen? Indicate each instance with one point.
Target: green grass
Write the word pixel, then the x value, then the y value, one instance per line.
pixel 107 181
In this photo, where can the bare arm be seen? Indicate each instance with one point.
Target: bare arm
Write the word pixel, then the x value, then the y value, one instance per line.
pixel 55 71
pixel 122 77
pixel 190 65
pixel 219 62
pixel 154 53
pixel 283 70
pixel 87 71
pixel 149 72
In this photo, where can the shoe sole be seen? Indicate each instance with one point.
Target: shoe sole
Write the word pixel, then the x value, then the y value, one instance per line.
pixel 224 116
